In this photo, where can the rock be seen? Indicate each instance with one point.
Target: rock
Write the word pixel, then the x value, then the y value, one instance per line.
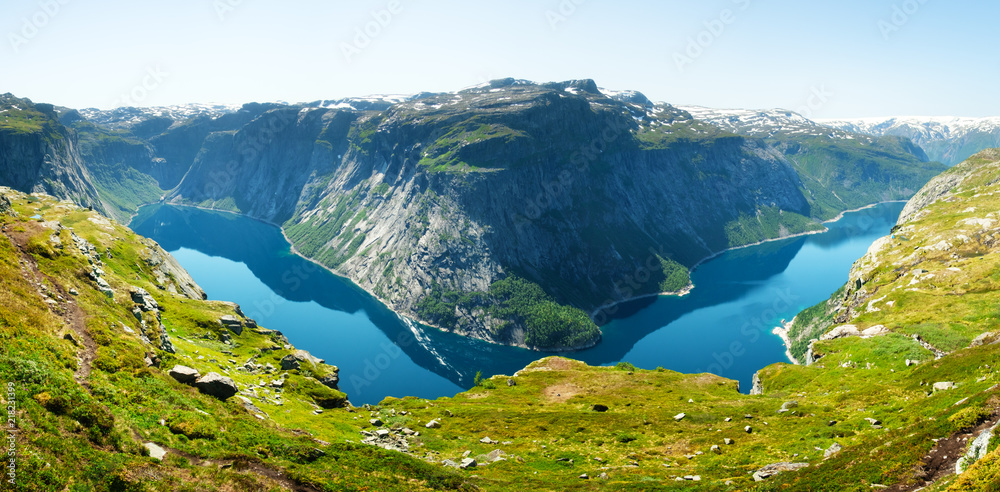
pixel 728 441
pixel 382 433
pixel 467 463
pixel 449 463
pixel 911 362
pixel 758 386
pixel 944 386
pixel 487 440
pixel 599 408
pixel 143 300
pixel 434 424
pixel 165 344
pixel 294 360
pixel 232 323
pixel 715 449
pixel 511 382
pixel 74 292
pixel 776 468
pixel 603 476
pixel 217 385
pixel 495 455
pixel 728 419
pixel 832 450
pixel 155 452
pixel 976 452
pixel 375 422
pixel 330 381
pixel 873 422
pixel 680 416
pixel 984 339
pixel 184 374
pixel 788 405
pixel 585 477
pixel 748 429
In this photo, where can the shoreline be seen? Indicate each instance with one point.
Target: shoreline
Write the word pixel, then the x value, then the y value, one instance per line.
pixel 691 286
pixel 782 331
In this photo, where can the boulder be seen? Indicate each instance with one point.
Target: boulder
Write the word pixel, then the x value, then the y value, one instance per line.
pixel 232 323
pixel 217 385
pixel 728 441
pixel 680 416
pixel 434 424
pixel 511 382
pixel 155 452
pixel 748 429
pixel 716 449
pixel 788 405
pixel 776 468
pixel 376 422
pixel 467 463
pixel 184 374
pixel 985 339
pixel 944 386
pixel 599 408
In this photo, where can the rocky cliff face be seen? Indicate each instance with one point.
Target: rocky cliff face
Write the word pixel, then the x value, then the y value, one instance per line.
pixel 567 195
pixel 38 154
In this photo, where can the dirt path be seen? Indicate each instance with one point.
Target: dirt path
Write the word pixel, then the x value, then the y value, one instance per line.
pixel 940 461
pixel 73 316
pixel 255 467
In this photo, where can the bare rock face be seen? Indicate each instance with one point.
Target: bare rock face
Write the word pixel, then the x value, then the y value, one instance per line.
pixel 217 385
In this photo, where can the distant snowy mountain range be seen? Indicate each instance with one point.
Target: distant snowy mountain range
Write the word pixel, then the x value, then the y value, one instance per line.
pixel 947 139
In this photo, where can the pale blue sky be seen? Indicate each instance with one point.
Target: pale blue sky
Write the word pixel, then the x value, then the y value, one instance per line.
pixel 942 59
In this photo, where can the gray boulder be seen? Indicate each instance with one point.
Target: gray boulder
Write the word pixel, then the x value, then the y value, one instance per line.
pixel 467 463
pixel 944 386
pixel 217 385
pixel 184 374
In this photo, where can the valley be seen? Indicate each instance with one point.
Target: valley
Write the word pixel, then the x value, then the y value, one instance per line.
pixel 463 240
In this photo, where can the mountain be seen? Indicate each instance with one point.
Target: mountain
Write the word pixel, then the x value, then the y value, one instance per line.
pixel 946 139
pixel 841 169
pixel 41 155
pixel 508 211
pixel 123 378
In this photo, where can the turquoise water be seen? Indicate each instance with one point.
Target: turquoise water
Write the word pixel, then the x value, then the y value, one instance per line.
pixel 724 325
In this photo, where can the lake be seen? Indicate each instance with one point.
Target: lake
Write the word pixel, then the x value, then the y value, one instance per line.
pixel 723 326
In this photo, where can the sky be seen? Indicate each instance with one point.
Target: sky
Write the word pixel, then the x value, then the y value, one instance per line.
pixel 829 59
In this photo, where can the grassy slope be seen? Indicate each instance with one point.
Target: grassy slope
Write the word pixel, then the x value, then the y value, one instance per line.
pixel 86 434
